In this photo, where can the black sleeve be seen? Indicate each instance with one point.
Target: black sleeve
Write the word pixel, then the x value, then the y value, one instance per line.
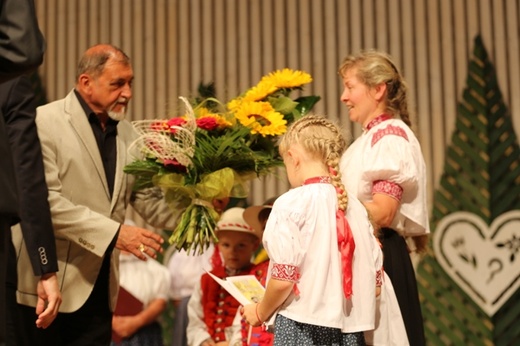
pixel 20 113
pixel 21 43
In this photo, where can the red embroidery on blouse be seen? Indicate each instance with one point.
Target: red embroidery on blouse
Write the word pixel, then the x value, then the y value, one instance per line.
pixel 317 180
pixel 378 120
pixel 285 272
pixel 388 188
pixel 379 278
pixel 389 130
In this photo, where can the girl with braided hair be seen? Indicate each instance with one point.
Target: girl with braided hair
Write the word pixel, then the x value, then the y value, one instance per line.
pixel 324 256
pixel 387 172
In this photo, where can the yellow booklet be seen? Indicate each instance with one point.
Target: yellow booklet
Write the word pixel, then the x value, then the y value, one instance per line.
pixel 244 288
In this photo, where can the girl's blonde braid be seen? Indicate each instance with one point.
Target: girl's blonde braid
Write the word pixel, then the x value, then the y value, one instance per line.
pixel 323 138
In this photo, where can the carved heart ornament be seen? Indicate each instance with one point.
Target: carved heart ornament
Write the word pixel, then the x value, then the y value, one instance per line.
pixel 483 260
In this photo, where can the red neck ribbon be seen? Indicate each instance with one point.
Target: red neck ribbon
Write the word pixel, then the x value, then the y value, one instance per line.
pixel 346 243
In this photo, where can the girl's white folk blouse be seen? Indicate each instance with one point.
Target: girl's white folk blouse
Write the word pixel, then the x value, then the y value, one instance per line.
pixel 301 234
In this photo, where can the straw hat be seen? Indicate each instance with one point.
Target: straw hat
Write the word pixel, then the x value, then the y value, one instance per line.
pixel 251 214
pixel 233 220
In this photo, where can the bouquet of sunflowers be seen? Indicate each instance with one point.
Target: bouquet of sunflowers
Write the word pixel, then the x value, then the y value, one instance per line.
pixel 215 149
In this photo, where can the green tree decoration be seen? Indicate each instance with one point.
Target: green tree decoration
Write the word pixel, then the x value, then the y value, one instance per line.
pixel 481 176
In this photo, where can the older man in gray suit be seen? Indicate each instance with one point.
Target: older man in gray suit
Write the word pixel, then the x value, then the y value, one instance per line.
pixel 85 140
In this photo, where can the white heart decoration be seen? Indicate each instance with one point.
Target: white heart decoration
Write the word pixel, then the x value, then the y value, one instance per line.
pixel 483 260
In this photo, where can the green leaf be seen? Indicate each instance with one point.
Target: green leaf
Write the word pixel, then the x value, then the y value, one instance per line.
pixel 144 171
pixel 282 104
pixel 306 103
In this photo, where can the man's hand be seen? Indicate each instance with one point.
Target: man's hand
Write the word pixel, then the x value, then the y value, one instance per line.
pixel 125 326
pixel 208 342
pixel 49 300
pixel 139 241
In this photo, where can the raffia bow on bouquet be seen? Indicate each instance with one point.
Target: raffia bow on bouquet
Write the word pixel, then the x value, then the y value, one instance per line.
pixel 215 150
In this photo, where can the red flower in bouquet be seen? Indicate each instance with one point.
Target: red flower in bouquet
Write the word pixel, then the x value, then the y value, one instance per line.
pixel 207 123
pixel 173 124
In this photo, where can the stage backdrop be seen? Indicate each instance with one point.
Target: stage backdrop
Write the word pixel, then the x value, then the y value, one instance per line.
pixel 176 44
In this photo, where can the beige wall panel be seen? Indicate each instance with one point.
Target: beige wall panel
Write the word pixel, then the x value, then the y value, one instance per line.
pixel 499 33
pixel 484 22
pixel 406 32
pixel 434 79
pixel 512 69
pixel 331 61
pixel 423 85
pixel 460 48
pixel 368 24
pixel 448 83
pixel 389 16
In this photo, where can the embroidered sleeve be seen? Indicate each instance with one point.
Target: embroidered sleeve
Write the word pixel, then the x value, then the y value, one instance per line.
pixel 285 272
pixel 379 277
pixel 388 188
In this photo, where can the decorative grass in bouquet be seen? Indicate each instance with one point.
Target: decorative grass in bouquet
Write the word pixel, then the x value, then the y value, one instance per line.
pixel 214 150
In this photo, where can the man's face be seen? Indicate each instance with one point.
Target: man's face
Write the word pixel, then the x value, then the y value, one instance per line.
pixel 111 91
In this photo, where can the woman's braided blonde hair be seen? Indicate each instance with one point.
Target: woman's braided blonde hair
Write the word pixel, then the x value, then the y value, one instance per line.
pixel 323 140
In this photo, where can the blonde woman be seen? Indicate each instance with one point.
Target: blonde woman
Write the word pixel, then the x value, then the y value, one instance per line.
pixel 386 171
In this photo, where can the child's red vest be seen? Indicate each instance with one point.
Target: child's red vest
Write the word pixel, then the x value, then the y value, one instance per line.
pixel 220 307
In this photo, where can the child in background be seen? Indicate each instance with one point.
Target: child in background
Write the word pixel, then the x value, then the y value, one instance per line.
pixel 256 216
pixel 137 313
pixel 185 271
pixel 245 334
pixel 211 310
pixel 324 257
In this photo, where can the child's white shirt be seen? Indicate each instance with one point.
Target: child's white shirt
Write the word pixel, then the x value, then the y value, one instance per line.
pixel 301 233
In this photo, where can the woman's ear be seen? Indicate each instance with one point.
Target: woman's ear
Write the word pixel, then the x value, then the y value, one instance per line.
pixel 380 91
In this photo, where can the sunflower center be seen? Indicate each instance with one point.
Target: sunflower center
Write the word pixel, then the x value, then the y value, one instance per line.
pixel 261 120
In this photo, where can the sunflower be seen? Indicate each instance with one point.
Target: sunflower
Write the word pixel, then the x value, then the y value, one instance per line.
pixel 287 78
pixel 203 112
pixel 261 118
pixel 260 91
pixel 234 104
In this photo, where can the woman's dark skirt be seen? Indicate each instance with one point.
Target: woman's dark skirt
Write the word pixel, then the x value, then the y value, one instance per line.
pixel 398 265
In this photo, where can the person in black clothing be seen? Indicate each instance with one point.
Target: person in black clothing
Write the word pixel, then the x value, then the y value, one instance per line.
pixel 21 50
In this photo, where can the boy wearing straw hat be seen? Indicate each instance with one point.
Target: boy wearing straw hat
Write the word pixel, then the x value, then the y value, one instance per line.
pixel 211 309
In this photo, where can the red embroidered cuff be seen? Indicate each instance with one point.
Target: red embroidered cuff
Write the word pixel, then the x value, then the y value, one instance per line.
pixel 387 188
pixel 285 272
pixel 379 278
